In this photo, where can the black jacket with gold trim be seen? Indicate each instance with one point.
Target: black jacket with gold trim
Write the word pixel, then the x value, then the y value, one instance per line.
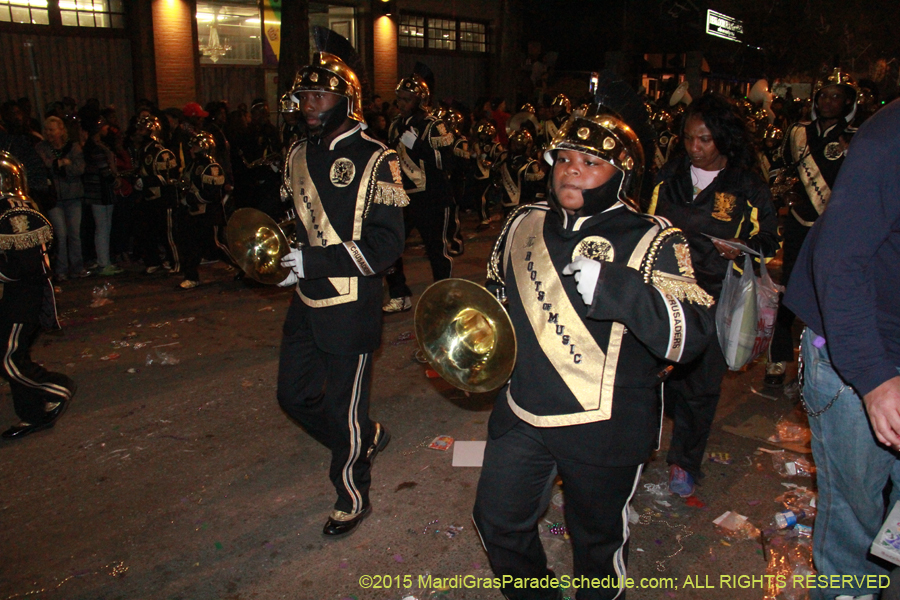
pixel 348 196
pixel 26 294
pixel 818 156
pixel 737 204
pixel 203 180
pixel 426 166
pixel 588 374
pixel 521 180
pixel 158 172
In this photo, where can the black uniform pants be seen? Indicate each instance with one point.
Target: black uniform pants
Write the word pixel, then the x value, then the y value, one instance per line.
pixel 692 394
pixel 328 395
pixel 782 348
pixel 431 219
pixel 155 225
pixel 514 492
pixel 195 233
pixel 32 385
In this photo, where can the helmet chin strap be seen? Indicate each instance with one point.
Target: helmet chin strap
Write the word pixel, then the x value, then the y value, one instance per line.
pixel 597 199
pixel 331 120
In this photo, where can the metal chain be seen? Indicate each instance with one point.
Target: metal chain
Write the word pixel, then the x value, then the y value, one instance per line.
pixel 806 407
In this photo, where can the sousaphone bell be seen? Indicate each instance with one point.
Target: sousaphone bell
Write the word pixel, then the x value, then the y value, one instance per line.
pixel 466 335
pixel 257 243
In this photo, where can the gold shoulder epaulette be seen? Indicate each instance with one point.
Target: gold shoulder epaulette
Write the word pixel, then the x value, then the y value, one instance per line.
pixel 390 194
pixel 681 288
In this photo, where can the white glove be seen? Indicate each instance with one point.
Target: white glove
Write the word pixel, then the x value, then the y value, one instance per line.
pixel 586 272
pixel 293 260
pixel 139 184
pixel 408 139
pixel 290 280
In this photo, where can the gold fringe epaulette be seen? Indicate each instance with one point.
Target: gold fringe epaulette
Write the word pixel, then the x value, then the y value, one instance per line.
pixel 390 194
pixel 681 288
pixel 461 152
pixel 534 175
pixel 27 239
pixel 439 141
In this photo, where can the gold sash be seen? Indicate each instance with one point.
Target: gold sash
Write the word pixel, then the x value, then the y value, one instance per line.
pixel 512 187
pixel 319 230
pixel 816 187
pixel 416 173
pixel 588 372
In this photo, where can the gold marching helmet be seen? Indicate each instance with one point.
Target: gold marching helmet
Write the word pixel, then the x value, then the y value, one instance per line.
pixel 13 181
pixel 842 79
pixel 205 141
pixel 562 103
pixel 419 82
pixel 288 103
pixel 152 125
pixel 331 73
pixel 605 135
pixel 466 335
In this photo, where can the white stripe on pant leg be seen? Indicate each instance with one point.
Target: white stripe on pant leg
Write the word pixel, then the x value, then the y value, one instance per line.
pixel 618 557
pixel 355 441
pixel 444 242
pixel 18 377
pixel 172 245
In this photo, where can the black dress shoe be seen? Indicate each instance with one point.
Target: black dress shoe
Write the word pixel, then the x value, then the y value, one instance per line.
pixel 341 524
pixel 379 443
pixel 22 429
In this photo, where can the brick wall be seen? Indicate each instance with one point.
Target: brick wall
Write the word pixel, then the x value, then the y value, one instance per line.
pixel 385 54
pixel 173 41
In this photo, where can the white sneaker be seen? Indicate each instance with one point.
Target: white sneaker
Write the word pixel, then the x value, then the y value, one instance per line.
pixel 395 305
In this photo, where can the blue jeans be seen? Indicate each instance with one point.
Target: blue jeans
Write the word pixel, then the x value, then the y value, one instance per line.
pixel 66 220
pixel 102 226
pixel 852 471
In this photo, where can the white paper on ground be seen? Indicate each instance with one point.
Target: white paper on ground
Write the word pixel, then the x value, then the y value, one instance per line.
pixel 468 454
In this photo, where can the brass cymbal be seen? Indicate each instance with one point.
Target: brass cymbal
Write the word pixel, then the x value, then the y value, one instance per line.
pixel 466 335
pixel 258 243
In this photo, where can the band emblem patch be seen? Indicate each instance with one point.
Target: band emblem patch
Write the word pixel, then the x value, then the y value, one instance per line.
pixel 595 248
pixel 833 151
pixel 342 172
pixel 724 206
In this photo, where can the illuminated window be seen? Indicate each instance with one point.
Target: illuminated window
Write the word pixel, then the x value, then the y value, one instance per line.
pixel 442 34
pixel 472 37
pixel 412 31
pixel 229 32
pixel 92 13
pixel 33 12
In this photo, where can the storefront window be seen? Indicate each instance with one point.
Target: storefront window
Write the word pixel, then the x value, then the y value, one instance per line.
pixel 229 33
pixel 92 13
pixel 34 12
pixel 340 19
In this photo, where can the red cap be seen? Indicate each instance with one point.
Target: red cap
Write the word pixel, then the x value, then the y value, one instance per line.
pixel 192 109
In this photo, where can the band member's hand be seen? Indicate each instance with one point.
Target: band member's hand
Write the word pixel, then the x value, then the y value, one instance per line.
pixel 883 407
pixel 586 272
pixel 139 184
pixel 294 261
pixel 408 139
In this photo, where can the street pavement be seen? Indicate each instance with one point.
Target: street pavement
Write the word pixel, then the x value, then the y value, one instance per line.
pixel 175 475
